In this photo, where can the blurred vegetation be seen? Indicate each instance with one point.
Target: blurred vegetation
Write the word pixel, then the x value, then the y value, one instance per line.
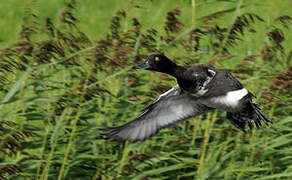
pixel 65 73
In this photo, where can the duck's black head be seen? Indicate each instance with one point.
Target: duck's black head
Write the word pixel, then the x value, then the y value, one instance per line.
pixel 157 62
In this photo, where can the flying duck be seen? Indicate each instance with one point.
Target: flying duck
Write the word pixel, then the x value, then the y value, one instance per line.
pixel 200 89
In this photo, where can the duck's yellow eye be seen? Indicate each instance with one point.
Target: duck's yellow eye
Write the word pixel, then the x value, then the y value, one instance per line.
pixel 156 58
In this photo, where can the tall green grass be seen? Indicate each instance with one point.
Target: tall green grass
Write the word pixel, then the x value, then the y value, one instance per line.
pixel 65 77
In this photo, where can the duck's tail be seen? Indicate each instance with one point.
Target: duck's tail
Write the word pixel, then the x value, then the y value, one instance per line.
pixel 251 115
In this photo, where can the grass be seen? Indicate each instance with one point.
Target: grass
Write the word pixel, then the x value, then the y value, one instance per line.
pixel 63 79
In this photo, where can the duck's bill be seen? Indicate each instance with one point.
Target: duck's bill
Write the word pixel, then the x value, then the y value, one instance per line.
pixel 141 66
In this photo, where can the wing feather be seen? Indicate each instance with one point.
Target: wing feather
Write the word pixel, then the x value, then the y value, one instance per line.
pixel 171 107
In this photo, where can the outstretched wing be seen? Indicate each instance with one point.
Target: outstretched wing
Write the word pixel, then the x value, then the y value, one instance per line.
pixel 171 107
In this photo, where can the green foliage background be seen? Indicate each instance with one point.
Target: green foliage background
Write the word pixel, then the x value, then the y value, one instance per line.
pixel 65 74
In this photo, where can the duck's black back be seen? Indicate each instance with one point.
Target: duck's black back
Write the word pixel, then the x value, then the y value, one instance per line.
pixel 222 83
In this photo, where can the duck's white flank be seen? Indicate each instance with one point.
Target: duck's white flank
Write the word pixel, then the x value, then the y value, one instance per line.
pixel 230 100
pixel 233 97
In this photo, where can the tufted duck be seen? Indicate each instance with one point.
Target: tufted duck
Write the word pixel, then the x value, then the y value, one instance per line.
pixel 200 89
